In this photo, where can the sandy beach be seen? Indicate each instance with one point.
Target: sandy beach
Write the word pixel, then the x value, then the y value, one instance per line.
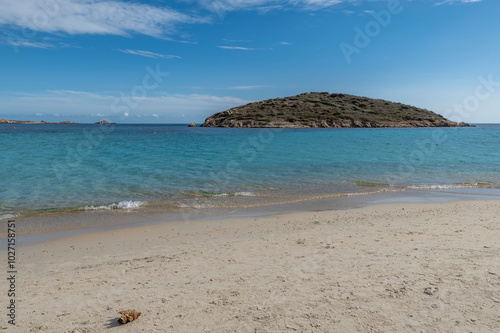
pixel 383 268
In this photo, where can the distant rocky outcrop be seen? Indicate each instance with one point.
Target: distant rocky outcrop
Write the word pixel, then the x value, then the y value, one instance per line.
pixel 192 125
pixel 64 122
pixel 104 122
pixel 4 121
pixel 325 110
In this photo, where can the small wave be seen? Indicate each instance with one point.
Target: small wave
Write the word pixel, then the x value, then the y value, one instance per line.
pixel 245 194
pixel 441 187
pixel 8 216
pixel 213 194
pixel 116 205
pixel 129 204
pixel 370 184
pixel 228 194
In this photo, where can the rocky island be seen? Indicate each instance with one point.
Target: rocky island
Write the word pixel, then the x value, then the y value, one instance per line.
pixel 104 122
pixel 325 110
pixel 5 121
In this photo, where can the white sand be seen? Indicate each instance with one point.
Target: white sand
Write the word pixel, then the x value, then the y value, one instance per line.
pixel 383 268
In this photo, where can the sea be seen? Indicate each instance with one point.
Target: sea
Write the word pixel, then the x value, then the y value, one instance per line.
pixel 178 171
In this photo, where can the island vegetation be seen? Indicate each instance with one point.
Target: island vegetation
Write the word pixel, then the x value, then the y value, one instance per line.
pixel 325 110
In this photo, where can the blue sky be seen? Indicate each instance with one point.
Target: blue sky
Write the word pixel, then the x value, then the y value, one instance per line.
pixel 180 61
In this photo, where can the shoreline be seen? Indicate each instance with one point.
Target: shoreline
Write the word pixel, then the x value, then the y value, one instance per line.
pixel 53 225
pixel 385 267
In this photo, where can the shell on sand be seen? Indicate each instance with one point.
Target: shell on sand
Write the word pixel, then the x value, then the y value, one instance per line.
pixel 128 316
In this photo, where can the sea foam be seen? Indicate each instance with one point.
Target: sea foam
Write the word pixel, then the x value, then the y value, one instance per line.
pixel 116 205
pixel 8 216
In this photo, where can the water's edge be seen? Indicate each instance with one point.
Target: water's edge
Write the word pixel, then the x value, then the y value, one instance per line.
pixel 74 223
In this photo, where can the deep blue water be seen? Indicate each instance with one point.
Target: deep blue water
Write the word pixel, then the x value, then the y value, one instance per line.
pixel 172 167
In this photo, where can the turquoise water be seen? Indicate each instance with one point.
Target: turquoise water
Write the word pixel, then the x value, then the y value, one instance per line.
pixel 174 168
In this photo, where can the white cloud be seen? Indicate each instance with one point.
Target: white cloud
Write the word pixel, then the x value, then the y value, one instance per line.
pixel 237 40
pixel 92 17
pixel 246 87
pixel 284 43
pixel 236 48
pixel 78 103
pixel 456 1
pixel 79 94
pixel 149 54
pixel 120 17
pixel 16 41
pixel 317 4
pixel 27 43
pixel 222 6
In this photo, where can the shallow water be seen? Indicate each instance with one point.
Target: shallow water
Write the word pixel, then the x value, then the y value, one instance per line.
pixel 176 169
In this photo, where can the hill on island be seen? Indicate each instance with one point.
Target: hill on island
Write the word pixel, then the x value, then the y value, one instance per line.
pixel 321 109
